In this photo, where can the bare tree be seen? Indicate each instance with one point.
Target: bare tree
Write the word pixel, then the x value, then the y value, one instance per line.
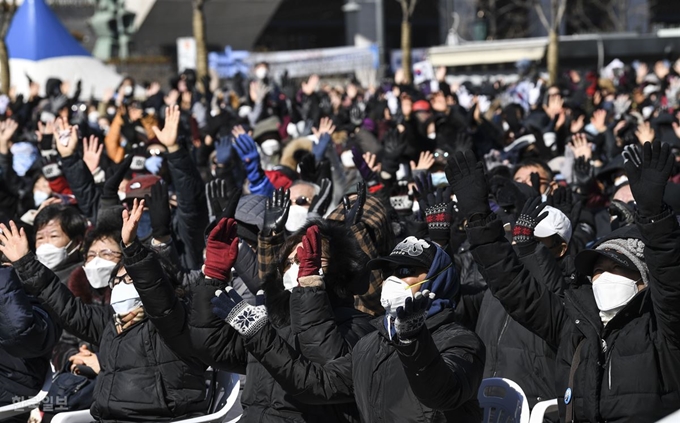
pixel 8 9
pixel 200 37
pixel 552 23
pixel 407 8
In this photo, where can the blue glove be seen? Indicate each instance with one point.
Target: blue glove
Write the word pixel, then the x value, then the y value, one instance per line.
pixel 319 149
pixel 223 149
pixel 247 150
pixel 246 319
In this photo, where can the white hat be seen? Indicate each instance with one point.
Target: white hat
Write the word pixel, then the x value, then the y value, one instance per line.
pixel 555 223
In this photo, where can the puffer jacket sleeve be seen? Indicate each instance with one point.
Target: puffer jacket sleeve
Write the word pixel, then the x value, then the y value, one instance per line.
pixel 246 267
pixel 26 330
pixel 167 313
pixel 542 265
pixel 526 300
pixel 82 184
pixel 661 235
pixel 319 335
pixel 192 211
pixel 219 345
pixel 306 381
pixel 444 377
pixel 86 321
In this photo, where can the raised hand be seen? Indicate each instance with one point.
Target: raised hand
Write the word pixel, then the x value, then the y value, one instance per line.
pixel 276 213
pixel 13 241
pixel 92 152
pixel 110 189
pixel 466 177
pixel 221 250
pixel 309 254
pixel 648 175
pixel 322 200
pixel 325 127
pixel 645 133
pixel 581 147
pixel 437 206
pixel 222 200
pixel 7 129
pixel 247 150
pixel 159 211
pixel 67 137
pixel 523 231
pixel 244 318
pixel 168 136
pixel 131 221
pixel 411 316
pixel 354 212
pixel 362 164
pixel 223 149
pixel 598 120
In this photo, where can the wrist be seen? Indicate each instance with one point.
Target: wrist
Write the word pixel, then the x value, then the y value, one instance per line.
pixel 172 148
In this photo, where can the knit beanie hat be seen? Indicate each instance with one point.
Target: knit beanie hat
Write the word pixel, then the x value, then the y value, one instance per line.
pixel 629 252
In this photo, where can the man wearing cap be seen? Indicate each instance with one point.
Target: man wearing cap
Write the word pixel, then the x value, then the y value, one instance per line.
pixel 418 366
pixel 617 328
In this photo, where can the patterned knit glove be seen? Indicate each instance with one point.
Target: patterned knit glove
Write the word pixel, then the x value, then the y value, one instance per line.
pixel 438 218
pixel 246 319
pixel 523 231
pixel 411 317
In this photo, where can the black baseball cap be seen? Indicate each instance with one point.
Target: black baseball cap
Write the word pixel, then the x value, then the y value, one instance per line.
pixel 585 260
pixel 411 252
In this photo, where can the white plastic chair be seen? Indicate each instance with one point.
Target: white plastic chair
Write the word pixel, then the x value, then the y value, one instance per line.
pixel 672 418
pixel 26 406
pixel 503 401
pixel 541 408
pixel 224 397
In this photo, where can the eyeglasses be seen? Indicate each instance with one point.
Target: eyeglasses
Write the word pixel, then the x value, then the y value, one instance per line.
pixel 302 201
pixel 105 254
pixel 120 279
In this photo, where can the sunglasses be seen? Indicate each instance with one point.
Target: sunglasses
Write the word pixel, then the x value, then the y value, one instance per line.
pixel 302 201
pixel 405 272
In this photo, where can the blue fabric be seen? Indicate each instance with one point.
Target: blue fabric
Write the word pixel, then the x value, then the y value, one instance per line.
pixel 36 34
pixel 445 286
pixel 319 149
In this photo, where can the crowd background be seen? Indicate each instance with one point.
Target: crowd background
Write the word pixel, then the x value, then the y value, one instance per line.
pixel 137 207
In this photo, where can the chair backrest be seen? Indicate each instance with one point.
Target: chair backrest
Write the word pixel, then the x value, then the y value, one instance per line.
pixel 27 405
pixel 224 397
pixel 503 401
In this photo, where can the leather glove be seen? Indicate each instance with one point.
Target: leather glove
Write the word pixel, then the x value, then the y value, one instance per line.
pixel 583 172
pixel 159 210
pixel 312 170
pixel 322 200
pixel 245 318
pixel 466 177
pixel 221 250
pixel 110 189
pixel 309 254
pixel 222 200
pixel 354 212
pixel 523 231
pixel 411 316
pixel 276 212
pixel 648 175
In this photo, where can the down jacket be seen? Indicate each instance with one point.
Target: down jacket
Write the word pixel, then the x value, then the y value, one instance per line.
pixel 433 379
pixel 141 378
pixel 629 370
pixel 27 336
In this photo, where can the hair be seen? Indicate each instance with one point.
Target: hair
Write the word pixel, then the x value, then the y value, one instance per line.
pixel 102 232
pixel 317 189
pixel 533 163
pixel 69 218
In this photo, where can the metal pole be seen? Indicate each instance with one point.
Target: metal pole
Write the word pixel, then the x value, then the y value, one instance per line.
pixel 380 35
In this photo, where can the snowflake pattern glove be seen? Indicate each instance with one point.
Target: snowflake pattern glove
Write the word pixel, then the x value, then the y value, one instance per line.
pixel 245 318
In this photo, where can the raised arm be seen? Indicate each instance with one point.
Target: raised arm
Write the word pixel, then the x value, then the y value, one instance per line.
pixel 85 321
pixel 26 330
pixel 648 174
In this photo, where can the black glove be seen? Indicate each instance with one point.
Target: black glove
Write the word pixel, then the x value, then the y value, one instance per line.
pixel 562 199
pixel 354 212
pixel 222 200
pixel 394 146
pixel 583 172
pixel 110 188
pixel 411 316
pixel 159 210
pixel 322 200
pixel 466 177
pixel 276 212
pixel 523 232
pixel 648 175
pixel 314 171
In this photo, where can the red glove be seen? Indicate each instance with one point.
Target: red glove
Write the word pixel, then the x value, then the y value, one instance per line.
pixel 221 250
pixel 309 255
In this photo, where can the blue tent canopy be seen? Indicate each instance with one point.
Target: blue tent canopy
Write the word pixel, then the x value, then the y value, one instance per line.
pixel 36 34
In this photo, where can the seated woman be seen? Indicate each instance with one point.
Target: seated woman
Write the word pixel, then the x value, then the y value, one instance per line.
pixel 141 378
pixel 418 366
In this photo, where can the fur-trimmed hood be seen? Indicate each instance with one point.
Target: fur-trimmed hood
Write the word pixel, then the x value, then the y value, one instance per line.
pixel 345 277
pixel 288 156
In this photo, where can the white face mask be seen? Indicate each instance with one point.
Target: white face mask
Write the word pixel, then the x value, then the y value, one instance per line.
pixel 290 277
pixel 121 195
pixel 98 272
pixel 124 298
pixel 612 292
pixel 394 295
pixel 39 197
pixel 261 73
pixel 50 256
pixel 432 135
pixel 297 216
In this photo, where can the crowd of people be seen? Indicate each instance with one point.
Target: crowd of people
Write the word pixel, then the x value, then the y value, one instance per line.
pixel 357 253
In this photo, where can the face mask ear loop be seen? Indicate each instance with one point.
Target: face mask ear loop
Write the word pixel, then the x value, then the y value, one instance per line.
pixel 435 276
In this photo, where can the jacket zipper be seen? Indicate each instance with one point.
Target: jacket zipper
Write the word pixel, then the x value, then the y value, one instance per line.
pixel 500 335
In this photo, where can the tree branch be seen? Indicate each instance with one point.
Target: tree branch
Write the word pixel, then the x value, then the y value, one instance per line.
pixel 560 14
pixel 412 8
pixel 541 15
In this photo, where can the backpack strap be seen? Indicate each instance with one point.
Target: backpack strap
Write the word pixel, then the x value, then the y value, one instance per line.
pixel 568 395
